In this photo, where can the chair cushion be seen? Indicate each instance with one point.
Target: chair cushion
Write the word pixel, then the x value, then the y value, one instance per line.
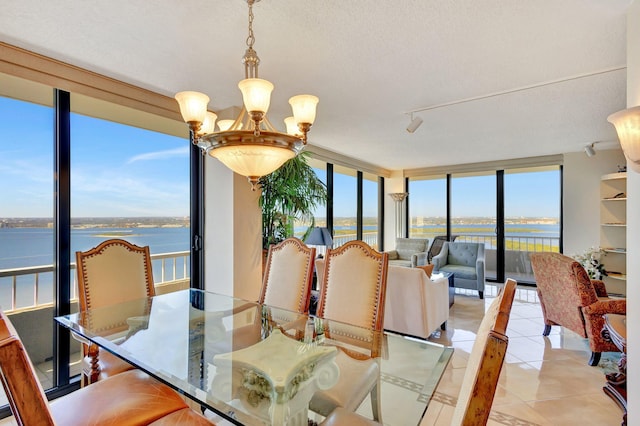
pixel 357 377
pixel 341 417
pixel 461 271
pixel 105 402
pixel 406 247
pixel 463 254
pixel 400 262
pixel 186 416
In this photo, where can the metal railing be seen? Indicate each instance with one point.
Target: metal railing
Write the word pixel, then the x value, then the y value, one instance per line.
pixel 167 267
pixel 514 242
pixel 370 238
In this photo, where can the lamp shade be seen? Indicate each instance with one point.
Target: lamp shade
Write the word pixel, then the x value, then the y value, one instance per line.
pixel 627 124
pixel 304 108
pixel 256 94
pixel 209 124
pixel 319 237
pixel 292 126
pixel 252 160
pixel 193 106
pixel 225 125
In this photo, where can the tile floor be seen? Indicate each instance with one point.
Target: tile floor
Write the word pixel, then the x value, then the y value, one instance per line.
pixel 545 380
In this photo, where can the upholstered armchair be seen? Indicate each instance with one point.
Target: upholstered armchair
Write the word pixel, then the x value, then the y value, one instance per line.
pixel 410 252
pixel 465 261
pixel 569 298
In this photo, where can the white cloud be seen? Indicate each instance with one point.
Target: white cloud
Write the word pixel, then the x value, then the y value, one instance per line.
pixel 160 155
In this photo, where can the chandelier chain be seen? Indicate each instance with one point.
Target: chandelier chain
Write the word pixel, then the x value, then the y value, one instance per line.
pixel 251 38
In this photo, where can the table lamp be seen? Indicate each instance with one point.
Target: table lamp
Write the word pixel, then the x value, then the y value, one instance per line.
pixel 319 236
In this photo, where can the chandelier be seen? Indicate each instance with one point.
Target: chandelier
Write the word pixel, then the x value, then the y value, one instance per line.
pixel 249 145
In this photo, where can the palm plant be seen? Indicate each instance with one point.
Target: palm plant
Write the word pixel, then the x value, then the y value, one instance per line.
pixel 289 194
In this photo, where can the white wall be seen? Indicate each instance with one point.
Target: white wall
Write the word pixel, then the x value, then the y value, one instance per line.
pixel 581 198
pixel 233 233
pixel 633 225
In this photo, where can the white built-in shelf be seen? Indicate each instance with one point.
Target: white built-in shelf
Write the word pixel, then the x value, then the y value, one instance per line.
pixel 613 230
pixel 615 276
pixel 616 250
pixel 613 176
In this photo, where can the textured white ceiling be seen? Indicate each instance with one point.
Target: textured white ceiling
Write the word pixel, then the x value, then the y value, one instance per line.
pixel 496 79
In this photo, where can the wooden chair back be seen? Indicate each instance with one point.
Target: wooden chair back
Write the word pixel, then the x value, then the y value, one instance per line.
pixel 288 276
pixel 485 362
pixel 23 390
pixel 354 285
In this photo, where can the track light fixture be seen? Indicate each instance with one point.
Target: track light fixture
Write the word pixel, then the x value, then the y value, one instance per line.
pixel 589 150
pixel 415 123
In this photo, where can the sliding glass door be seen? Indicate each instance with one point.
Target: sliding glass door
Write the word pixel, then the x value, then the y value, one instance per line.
pixel 513 212
pixel 532 217
pixel 473 214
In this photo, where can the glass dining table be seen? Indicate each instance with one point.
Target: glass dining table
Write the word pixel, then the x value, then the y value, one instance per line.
pixel 255 364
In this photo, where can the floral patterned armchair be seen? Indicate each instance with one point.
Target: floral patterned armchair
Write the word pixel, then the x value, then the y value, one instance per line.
pixel 569 298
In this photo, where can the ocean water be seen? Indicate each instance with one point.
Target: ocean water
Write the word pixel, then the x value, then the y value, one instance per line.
pixel 24 247
pixel 21 247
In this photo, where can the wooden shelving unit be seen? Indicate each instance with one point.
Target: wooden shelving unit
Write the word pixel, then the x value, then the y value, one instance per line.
pixel 613 231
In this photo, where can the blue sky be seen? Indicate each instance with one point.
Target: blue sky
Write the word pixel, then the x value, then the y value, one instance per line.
pixel 119 170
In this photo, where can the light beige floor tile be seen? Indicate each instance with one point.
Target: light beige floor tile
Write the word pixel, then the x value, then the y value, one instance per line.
pixel 541 375
pixel 578 410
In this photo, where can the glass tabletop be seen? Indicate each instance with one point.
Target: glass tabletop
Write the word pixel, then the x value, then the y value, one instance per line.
pixel 235 357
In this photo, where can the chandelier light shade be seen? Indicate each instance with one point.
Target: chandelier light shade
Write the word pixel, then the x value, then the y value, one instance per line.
pixel 209 124
pixel 304 108
pixel 627 124
pixel 249 145
pixel 252 160
pixel 225 125
pixel 256 94
pixel 292 126
pixel 193 106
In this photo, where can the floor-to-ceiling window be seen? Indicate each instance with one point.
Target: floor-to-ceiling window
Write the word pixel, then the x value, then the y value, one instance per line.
pixel 473 213
pixel 353 207
pixel 512 211
pixel 428 207
pixel 345 195
pixel 126 182
pixel 26 223
pixel 532 217
pixel 131 183
pixel 370 214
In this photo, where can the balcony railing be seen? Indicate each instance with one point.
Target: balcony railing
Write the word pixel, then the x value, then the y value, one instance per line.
pixel 30 287
pixel 17 283
pixel 517 250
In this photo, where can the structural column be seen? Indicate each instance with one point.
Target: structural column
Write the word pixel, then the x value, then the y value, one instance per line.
pixel 398 198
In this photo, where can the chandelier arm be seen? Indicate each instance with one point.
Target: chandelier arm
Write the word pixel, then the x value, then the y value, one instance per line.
pixel 267 124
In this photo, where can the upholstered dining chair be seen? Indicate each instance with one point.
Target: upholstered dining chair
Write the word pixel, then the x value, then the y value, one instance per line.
pixel 569 298
pixel 115 271
pixel 481 375
pixel 353 281
pixel 288 276
pixel 130 398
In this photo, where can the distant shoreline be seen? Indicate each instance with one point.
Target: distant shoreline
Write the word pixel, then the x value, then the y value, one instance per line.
pixel 100 222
